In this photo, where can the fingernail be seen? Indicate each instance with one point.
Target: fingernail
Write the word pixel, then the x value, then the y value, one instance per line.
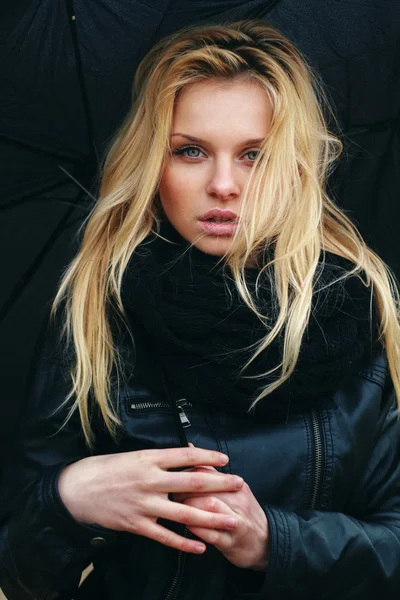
pixel 224 459
pixel 238 482
pixel 200 549
pixel 231 522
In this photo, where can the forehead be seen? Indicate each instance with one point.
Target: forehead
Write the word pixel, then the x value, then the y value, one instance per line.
pixel 233 109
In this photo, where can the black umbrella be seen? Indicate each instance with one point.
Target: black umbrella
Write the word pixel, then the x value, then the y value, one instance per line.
pixel 67 70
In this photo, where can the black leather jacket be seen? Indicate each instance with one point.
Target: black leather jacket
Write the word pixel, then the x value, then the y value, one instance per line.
pixel 327 478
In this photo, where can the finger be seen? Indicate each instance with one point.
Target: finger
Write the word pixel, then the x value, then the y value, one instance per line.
pixel 182 497
pixel 186 496
pixel 179 498
pixel 211 504
pixel 169 458
pixel 161 534
pixel 204 469
pixel 181 481
pixel 222 540
pixel 189 515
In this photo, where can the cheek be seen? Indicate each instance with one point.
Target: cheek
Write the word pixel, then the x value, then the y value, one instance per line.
pixel 170 193
pixel 177 185
pixel 176 176
pixel 168 184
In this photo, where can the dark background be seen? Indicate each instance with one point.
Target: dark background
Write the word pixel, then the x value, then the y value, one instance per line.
pixel 66 85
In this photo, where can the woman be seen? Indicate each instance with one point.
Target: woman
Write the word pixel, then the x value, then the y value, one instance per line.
pixel 223 422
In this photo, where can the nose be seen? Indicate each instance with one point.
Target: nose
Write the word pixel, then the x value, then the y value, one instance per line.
pixel 223 183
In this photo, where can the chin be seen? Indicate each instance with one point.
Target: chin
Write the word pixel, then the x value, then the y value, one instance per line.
pixel 216 246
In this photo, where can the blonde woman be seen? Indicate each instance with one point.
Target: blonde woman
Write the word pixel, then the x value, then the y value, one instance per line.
pixel 219 419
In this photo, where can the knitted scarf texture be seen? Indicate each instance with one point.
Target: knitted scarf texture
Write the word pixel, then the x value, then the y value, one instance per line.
pixel 192 313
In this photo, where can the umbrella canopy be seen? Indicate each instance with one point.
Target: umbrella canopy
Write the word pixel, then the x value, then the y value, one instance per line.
pixel 67 69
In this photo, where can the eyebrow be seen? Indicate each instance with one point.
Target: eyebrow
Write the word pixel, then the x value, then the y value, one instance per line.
pixel 195 139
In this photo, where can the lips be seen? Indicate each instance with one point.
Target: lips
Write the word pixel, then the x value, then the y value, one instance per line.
pixel 219 222
pixel 219 215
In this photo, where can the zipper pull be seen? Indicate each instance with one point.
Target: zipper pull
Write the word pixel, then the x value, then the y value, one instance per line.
pixel 182 415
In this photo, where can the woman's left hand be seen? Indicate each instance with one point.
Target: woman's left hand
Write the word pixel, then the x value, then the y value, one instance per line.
pixel 246 544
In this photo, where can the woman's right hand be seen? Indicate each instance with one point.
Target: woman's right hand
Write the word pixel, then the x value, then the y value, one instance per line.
pixel 129 492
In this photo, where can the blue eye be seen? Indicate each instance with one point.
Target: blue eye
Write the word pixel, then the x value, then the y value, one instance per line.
pixel 256 152
pixel 194 152
pixel 188 151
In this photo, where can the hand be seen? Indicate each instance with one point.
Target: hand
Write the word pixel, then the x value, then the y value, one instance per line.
pixel 129 491
pixel 244 545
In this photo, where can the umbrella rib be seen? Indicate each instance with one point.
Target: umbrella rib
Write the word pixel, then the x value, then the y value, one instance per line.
pixel 82 83
pixel 40 151
pixel 78 183
pixel 34 266
pixel 39 198
pixel 32 197
pixel 30 272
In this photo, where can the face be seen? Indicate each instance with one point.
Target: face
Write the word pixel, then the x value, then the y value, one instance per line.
pixel 218 128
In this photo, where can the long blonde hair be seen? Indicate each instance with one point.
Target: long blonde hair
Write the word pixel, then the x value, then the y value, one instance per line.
pixel 292 166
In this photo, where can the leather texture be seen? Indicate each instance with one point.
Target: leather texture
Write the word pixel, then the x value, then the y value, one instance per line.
pixel 327 478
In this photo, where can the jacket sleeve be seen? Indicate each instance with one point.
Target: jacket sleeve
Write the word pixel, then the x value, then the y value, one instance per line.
pixel 332 555
pixel 43 549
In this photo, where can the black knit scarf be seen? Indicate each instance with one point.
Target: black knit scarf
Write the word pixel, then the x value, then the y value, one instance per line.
pixel 191 311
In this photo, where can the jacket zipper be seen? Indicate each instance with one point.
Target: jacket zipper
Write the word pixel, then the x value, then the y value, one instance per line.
pixel 182 402
pixel 175 586
pixel 318 457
